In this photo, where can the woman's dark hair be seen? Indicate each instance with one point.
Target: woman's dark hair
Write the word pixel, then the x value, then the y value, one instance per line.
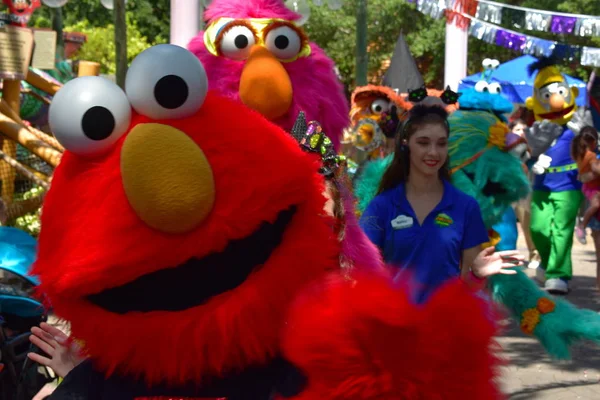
pixel 586 140
pixel 418 117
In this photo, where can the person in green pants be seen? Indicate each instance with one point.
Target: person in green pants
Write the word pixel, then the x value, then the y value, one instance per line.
pixel 553 217
pixel 556 191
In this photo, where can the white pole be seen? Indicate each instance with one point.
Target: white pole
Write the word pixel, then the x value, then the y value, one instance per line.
pixel 185 18
pixel 455 68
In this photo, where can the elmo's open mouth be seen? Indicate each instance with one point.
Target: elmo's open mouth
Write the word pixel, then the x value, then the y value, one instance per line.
pixel 491 188
pixel 197 280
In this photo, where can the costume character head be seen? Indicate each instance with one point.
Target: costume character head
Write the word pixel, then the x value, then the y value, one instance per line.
pixel 254 51
pixel 487 95
pixel 178 214
pixel 552 98
pixel 375 113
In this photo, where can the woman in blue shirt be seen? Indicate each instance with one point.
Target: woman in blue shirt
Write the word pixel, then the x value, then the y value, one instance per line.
pixel 422 223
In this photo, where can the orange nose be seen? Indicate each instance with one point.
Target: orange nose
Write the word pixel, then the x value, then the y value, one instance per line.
pixel 265 85
pixel 557 102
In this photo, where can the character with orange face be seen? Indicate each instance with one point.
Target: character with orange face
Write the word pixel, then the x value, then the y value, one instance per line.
pixel 184 238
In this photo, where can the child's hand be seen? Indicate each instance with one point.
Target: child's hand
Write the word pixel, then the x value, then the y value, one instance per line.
pixel 64 356
pixel 588 176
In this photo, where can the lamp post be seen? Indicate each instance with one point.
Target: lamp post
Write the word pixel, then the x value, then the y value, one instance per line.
pixel 120 41
pixel 57 25
pixel 362 56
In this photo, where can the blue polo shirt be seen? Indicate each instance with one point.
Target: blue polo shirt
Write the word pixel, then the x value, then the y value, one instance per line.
pixel 431 251
pixel 562 174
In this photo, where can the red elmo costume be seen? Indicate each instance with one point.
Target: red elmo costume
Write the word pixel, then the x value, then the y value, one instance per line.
pixel 185 242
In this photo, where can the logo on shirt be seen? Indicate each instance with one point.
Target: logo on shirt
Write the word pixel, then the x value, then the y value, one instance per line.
pixel 443 220
pixel 402 222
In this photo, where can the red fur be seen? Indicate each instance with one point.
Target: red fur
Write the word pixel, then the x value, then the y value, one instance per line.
pixel 361 338
pixel 92 240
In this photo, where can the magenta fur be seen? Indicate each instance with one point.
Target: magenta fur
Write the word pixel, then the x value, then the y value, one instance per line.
pixel 317 90
pixel 249 9
pixel 355 245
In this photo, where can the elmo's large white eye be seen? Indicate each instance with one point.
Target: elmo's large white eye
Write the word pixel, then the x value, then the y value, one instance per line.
pixel 380 106
pixel 166 82
pixel 237 42
pixel 495 88
pixel 481 86
pixel 89 114
pixel 284 42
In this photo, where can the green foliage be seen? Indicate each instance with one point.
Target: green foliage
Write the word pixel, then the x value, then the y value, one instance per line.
pixel 151 16
pixel 30 223
pixel 100 45
pixel 335 31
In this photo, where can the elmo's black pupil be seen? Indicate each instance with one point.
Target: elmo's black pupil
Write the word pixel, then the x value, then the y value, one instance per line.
pixel 282 42
pixel 98 123
pixel 241 41
pixel 171 92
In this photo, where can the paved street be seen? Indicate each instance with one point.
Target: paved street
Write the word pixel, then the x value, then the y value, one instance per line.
pixel 530 373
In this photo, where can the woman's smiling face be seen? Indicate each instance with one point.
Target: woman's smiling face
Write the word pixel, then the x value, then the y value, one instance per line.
pixel 428 149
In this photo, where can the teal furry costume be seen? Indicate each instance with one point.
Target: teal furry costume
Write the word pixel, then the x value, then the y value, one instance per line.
pixel 486 165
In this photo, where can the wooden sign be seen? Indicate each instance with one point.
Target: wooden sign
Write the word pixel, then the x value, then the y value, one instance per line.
pixel 16 45
pixel 44 50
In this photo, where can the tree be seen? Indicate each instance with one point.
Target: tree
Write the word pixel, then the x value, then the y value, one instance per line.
pixel 120 41
pixel 151 16
pixel 100 45
pixel 335 32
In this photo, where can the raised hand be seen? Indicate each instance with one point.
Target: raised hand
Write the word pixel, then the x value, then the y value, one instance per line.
pixel 64 354
pixel 488 262
pixel 541 136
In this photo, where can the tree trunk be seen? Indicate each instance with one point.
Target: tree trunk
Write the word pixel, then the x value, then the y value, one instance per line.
pixel 120 41
pixel 362 56
pixel 57 25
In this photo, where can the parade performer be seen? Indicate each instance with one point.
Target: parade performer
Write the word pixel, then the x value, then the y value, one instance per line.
pixel 254 51
pixel 556 191
pixel 196 259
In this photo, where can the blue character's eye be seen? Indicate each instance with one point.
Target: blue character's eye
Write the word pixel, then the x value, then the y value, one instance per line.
pixel 481 86
pixel 495 88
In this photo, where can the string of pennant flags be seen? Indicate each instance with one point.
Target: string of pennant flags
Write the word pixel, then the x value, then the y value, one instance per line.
pixel 483 16
pixel 538 20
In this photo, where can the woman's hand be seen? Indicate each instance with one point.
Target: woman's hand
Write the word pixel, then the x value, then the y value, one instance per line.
pixel 488 262
pixel 64 354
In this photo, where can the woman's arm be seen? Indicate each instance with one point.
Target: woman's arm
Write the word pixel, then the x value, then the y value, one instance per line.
pixel 466 262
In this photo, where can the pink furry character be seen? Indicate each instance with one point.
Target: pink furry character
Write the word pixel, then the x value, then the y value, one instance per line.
pixel 253 51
